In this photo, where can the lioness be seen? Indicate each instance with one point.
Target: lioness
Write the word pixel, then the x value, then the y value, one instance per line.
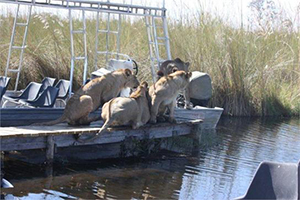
pixel 199 90
pixel 133 110
pixel 164 92
pixel 93 95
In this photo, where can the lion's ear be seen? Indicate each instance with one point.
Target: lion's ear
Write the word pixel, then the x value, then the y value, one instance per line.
pixel 128 72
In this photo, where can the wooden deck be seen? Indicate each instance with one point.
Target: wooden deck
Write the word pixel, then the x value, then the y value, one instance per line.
pixel 59 136
pixel 35 137
pixel 64 138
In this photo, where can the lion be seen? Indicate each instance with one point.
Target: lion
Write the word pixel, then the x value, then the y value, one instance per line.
pixel 93 95
pixel 133 110
pixel 164 92
pixel 199 90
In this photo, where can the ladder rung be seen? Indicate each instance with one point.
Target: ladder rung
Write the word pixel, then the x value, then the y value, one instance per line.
pixel 18 47
pixel 159 43
pixel 106 31
pixel 102 52
pixel 80 58
pixel 154 26
pixel 161 38
pixel 79 31
pixel 22 24
pixel 13 70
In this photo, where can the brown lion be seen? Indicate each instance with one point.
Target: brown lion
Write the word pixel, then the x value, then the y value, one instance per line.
pixel 93 95
pixel 133 110
pixel 164 92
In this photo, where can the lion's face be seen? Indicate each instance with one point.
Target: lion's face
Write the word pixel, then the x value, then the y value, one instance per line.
pixel 131 80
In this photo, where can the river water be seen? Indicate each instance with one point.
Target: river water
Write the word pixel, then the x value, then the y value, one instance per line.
pixel 220 166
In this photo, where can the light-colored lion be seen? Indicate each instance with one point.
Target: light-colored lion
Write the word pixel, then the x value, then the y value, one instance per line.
pixel 199 90
pixel 133 110
pixel 164 92
pixel 93 95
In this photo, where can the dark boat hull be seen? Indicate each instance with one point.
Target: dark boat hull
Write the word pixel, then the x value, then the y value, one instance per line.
pixel 27 116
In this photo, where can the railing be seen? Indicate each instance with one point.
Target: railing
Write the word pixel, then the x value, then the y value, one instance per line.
pixel 102 6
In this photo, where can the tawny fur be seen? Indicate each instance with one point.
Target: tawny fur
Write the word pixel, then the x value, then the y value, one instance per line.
pixel 93 95
pixel 163 95
pixel 168 67
pixel 133 110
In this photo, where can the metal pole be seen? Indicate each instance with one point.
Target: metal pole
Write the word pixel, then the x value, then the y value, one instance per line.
pixel 118 37
pixel 72 52
pixel 150 49
pixel 167 41
pixel 96 42
pixel 155 41
pixel 11 41
pixel 107 36
pixel 23 47
pixel 85 49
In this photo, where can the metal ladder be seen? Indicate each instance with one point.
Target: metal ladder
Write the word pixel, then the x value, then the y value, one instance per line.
pixel 21 48
pixel 73 56
pixel 155 41
pixel 107 32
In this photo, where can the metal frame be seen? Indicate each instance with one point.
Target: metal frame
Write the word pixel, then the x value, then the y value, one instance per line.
pixel 12 47
pixel 73 56
pixel 107 32
pixel 150 13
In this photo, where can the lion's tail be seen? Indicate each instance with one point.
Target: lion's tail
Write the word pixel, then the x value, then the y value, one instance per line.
pixel 108 119
pixel 63 118
pixel 102 130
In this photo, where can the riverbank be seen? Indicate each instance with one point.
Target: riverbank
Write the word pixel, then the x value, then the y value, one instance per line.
pixel 254 73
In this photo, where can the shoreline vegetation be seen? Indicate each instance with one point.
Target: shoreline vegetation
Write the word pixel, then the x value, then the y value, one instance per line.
pixel 254 72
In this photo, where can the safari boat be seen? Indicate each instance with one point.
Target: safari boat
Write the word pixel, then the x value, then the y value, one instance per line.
pixel 18 135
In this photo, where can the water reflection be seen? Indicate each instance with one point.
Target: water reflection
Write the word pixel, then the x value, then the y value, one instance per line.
pixel 219 166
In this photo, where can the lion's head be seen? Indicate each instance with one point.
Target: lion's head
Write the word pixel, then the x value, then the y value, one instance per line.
pixel 131 80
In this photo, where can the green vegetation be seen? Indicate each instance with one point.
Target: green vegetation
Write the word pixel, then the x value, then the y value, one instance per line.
pixel 254 73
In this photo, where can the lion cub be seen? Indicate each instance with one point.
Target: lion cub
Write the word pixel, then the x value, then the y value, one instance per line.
pixel 133 110
pixel 164 92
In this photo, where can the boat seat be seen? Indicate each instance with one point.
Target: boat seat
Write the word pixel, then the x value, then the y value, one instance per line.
pixel 275 181
pixel 4 81
pixel 46 99
pixel 64 87
pixel 47 81
pixel 2 91
pixel 30 93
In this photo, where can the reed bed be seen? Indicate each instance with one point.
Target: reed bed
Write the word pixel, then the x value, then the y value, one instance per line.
pixel 254 73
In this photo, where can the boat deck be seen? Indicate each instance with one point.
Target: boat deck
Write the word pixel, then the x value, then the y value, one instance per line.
pixel 65 137
pixel 62 135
